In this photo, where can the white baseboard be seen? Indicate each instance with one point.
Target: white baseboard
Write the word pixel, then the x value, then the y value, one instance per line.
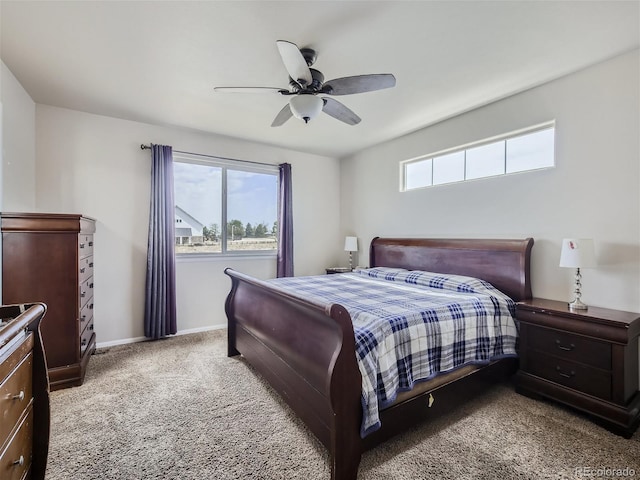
pixel 125 341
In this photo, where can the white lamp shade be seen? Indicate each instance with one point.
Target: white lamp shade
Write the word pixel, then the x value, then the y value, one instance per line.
pixel 306 107
pixel 577 253
pixel 351 244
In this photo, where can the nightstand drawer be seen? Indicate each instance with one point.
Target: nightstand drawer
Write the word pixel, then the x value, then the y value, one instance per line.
pixel 567 346
pixel 591 381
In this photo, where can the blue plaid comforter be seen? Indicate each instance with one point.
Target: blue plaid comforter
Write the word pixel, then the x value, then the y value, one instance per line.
pixel 411 326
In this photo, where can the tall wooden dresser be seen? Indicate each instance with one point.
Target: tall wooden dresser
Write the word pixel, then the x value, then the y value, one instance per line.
pixel 49 258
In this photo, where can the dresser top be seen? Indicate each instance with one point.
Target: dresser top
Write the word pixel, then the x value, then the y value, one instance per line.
pixel 46 222
pixel 614 318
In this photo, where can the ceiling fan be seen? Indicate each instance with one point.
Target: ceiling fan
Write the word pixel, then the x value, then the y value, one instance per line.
pixel 306 84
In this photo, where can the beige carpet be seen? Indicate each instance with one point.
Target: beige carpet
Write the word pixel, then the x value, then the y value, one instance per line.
pixel 180 409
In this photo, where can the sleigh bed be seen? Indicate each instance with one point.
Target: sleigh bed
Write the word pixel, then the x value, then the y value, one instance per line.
pixel 306 348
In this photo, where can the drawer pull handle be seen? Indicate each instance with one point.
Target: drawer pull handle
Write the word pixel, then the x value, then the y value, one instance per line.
pixel 19 462
pixel 82 270
pixel 82 245
pixel 91 244
pixel 564 347
pixel 83 294
pixel 84 342
pixel 565 375
pixel 91 307
pixel 20 396
pixel 91 327
pixel 91 285
pixel 91 265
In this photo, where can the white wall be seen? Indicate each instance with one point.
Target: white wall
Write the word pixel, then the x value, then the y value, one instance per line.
pixel 593 191
pixel 93 165
pixel 19 146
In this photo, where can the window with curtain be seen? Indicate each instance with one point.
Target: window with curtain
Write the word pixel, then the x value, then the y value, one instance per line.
pixel 224 206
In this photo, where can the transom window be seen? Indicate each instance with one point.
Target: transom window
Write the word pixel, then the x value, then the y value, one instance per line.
pixel 531 149
pixel 224 206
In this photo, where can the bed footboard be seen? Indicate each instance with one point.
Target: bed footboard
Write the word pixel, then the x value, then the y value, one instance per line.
pixel 306 351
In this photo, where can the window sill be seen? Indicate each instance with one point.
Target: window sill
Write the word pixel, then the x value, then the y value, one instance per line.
pixel 214 257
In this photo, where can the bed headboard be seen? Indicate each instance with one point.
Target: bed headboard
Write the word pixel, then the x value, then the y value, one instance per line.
pixel 503 263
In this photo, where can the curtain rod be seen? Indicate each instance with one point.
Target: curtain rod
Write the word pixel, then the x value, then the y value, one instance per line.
pixel 148 147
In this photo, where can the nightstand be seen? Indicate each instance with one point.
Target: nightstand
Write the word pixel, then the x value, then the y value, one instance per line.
pixel 587 359
pixel 331 270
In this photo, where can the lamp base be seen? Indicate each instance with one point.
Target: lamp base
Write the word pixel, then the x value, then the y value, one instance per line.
pixel 578 305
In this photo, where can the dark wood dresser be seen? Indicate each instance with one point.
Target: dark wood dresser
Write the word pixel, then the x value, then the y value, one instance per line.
pixel 24 394
pixel 49 258
pixel 587 359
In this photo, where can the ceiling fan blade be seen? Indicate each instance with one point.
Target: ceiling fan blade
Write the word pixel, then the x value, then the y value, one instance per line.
pixel 248 90
pixel 359 84
pixel 284 115
pixel 294 62
pixel 338 110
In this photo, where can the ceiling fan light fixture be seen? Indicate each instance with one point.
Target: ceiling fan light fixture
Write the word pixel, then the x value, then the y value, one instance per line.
pixel 306 83
pixel 306 107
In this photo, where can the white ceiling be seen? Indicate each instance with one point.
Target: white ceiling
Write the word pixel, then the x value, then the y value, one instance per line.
pixel 158 61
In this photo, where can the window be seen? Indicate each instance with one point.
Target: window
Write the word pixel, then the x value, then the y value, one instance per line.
pixel 448 168
pixel 224 206
pixel 522 151
pixel 532 151
pixel 485 161
pixel 418 174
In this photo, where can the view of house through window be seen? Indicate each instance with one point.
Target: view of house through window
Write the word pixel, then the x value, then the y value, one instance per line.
pixel 531 149
pixel 223 207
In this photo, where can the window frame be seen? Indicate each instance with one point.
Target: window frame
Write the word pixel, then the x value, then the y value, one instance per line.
pixel 550 125
pixel 226 164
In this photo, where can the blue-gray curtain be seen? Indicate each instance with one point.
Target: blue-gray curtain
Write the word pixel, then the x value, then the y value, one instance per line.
pixel 160 292
pixel 285 223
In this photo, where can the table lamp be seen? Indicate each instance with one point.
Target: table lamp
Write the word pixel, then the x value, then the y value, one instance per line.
pixel 577 253
pixel 351 245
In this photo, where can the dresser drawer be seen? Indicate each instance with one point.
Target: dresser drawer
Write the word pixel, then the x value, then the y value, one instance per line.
pixel 15 460
pixel 568 346
pixel 86 314
pixel 85 268
pixel 589 380
pixel 15 395
pixel 85 245
pixel 86 291
pixel 85 338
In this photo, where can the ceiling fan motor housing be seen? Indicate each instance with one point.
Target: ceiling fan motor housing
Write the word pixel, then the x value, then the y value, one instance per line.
pixel 315 86
pixel 318 80
pixel 309 55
